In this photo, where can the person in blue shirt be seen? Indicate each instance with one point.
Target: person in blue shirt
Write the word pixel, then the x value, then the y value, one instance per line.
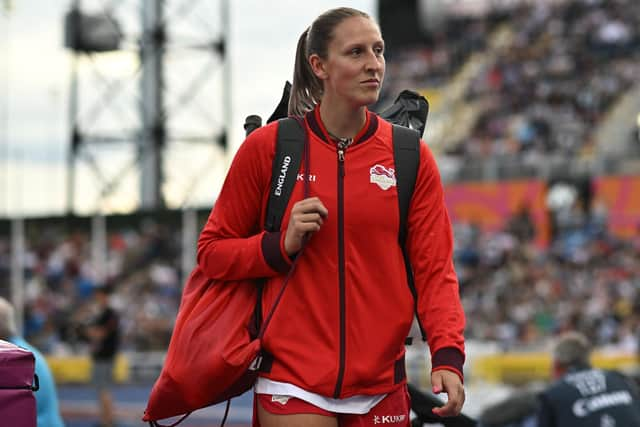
pixel 48 411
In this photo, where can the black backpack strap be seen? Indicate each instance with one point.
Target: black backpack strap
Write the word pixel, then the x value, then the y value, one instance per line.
pixel 284 172
pixel 406 152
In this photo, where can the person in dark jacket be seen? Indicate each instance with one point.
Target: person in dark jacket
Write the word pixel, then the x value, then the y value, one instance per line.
pixel 104 338
pixel 585 396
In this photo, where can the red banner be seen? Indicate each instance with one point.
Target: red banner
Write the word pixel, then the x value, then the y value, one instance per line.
pixel 620 195
pixel 491 205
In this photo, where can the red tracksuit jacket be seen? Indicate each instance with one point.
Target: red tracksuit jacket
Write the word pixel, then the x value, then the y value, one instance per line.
pixel 341 325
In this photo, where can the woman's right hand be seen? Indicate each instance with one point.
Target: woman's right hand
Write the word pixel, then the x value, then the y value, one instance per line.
pixel 306 217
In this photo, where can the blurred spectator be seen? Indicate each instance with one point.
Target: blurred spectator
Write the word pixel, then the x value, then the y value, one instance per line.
pixel 104 337
pixel 521 224
pixel 584 396
pixel 48 412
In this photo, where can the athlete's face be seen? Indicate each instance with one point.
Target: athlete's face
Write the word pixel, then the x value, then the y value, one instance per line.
pixel 354 68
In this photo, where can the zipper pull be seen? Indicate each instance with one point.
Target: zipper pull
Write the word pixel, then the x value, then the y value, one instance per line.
pixel 342 146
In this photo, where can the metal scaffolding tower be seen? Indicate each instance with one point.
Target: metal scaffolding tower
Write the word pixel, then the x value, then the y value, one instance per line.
pixel 124 107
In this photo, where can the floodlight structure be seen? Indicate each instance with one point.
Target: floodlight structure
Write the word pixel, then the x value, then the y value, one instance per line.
pixel 140 104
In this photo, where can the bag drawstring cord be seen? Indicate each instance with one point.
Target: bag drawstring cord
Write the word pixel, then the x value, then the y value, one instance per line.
pixel 157 424
pixel 226 413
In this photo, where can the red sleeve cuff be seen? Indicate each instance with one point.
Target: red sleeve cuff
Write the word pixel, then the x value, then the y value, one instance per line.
pixel 450 359
pixel 273 251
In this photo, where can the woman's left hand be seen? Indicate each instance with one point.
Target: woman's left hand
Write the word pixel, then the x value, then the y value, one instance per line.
pixel 450 383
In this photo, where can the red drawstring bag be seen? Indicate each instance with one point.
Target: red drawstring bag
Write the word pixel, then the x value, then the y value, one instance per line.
pixel 215 348
pixel 211 348
pixel 214 353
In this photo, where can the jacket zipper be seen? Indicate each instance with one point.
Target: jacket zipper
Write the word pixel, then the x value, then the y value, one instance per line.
pixel 342 146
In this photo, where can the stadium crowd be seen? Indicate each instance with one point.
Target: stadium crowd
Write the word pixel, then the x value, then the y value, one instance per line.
pixel 561 69
pixel 142 268
pixel 433 60
pixel 517 293
pixel 555 80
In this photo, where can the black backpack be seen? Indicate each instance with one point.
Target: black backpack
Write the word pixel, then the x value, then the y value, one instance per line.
pixel 408 114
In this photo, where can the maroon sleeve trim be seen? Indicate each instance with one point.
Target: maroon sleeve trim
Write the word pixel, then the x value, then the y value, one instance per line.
pixel 271 251
pixel 448 357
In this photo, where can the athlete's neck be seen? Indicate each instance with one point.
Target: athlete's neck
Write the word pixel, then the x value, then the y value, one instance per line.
pixel 342 122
